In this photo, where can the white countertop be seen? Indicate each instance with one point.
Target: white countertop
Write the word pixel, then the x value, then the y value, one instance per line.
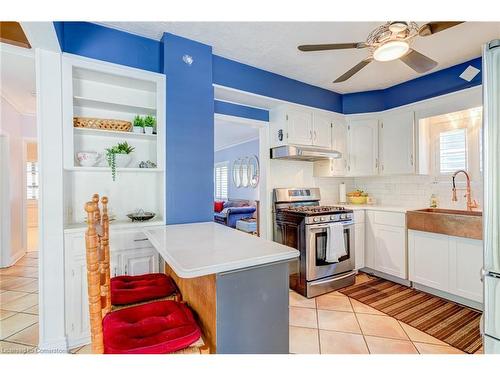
pixel 375 207
pixel 199 249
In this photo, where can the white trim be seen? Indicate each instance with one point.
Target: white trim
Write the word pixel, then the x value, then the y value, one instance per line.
pixel 15 50
pixel 225 147
pixel 52 334
pixel 240 120
pixel 99 65
pixel 41 35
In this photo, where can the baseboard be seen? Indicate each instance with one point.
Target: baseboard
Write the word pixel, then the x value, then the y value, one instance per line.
pixel 14 258
pixel 75 343
pixel 449 296
pixel 386 276
pixel 57 346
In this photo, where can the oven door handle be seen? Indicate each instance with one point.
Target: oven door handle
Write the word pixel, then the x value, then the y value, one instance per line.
pixel 329 280
pixel 344 223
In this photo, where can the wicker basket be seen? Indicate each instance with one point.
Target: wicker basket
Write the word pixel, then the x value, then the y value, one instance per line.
pixel 103 124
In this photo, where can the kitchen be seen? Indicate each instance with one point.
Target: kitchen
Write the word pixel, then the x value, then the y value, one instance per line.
pixel 370 175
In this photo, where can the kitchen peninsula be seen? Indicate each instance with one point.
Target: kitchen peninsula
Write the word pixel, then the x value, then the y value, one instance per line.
pixel 224 274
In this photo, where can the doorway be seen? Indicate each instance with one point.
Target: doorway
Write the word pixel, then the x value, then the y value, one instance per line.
pixel 18 202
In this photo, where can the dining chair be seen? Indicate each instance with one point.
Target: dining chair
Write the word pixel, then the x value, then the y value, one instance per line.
pixel 157 327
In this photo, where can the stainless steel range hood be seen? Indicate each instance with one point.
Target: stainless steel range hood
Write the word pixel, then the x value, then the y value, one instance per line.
pixel 303 153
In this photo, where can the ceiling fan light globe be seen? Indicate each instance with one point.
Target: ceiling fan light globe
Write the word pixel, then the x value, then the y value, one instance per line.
pixel 391 50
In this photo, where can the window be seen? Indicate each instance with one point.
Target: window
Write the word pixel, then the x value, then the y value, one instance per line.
pixel 452 150
pixel 31 180
pixel 450 142
pixel 221 171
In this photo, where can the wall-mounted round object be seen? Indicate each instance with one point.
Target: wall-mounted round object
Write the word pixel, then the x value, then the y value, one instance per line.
pixel 245 179
pixel 253 171
pixel 236 173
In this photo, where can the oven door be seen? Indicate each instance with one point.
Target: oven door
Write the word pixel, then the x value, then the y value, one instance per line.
pixel 316 240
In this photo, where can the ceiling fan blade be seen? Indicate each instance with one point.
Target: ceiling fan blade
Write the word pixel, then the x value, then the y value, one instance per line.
pixel 354 70
pixel 418 62
pixel 326 47
pixel 435 27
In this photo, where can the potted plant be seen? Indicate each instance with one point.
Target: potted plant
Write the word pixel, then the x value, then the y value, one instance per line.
pixel 138 124
pixel 119 156
pixel 149 124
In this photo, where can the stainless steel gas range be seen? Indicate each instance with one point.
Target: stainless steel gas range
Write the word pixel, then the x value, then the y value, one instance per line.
pixel 300 222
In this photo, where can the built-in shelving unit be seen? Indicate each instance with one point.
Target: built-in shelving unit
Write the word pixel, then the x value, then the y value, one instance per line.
pixel 102 90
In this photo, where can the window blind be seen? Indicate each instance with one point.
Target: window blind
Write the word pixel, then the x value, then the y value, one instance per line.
pixel 452 150
pixel 221 180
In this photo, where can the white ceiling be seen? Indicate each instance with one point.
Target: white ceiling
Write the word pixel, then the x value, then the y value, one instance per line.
pixel 17 79
pixel 272 46
pixel 228 133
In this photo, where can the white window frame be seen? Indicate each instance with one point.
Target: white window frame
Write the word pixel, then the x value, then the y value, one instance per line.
pixel 224 164
pixel 472 144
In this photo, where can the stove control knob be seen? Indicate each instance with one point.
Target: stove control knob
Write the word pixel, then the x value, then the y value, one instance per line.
pixel 322 219
pixel 332 217
pixel 315 219
pixel 343 216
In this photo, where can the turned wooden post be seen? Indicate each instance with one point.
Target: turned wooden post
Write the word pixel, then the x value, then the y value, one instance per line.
pixel 97 213
pixel 105 266
pixel 93 280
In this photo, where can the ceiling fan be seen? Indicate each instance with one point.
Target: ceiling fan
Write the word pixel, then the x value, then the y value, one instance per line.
pixel 388 42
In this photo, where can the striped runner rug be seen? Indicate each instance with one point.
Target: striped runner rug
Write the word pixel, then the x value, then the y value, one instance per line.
pixel 447 321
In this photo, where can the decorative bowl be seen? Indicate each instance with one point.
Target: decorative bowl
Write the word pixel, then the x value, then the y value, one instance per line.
pixel 141 215
pixel 88 158
pixel 357 200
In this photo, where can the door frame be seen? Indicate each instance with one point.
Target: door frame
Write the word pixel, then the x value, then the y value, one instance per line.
pixel 24 205
pixel 264 198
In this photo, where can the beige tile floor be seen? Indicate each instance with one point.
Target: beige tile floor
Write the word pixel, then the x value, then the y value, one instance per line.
pixel 328 324
pixel 19 306
pixel 336 324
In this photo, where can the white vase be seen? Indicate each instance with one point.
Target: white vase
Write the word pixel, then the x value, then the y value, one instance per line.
pixel 148 130
pixel 122 160
pixel 138 129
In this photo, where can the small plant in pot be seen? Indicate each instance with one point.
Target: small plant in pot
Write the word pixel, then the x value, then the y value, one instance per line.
pixel 138 124
pixel 119 156
pixel 149 124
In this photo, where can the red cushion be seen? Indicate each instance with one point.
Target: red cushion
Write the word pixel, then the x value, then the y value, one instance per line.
pixel 154 328
pixel 218 206
pixel 126 290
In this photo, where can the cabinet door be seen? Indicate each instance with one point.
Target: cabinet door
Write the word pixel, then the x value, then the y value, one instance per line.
pixel 370 240
pixel 466 261
pixel 363 147
pixel 139 261
pixel 428 259
pixel 77 305
pixel 322 131
pixel 390 254
pixel 397 144
pixel 359 245
pixel 299 127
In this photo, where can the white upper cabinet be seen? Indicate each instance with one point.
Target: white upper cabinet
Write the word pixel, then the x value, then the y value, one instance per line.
pixel 335 167
pixel 299 127
pixel 322 131
pixel 362 143
pixel 397 144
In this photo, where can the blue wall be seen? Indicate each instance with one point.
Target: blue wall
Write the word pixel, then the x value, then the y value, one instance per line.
pixel 190 131
pixel 244 77
pixel 103 43
pixel 231 109
pixel 230 154
pixel 431 85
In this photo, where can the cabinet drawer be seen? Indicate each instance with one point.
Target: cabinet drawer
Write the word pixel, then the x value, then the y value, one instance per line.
pixel 395 219
pixel 128 240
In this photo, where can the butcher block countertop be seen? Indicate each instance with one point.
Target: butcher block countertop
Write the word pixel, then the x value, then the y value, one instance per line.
pixel 200 249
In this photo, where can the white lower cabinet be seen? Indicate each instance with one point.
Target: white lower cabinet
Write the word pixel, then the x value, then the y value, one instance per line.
pixel 133 257
pixel 385 242
pixel 446 263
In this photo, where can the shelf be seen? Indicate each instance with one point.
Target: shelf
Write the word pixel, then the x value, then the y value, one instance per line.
pixel 80 101
pixel 108 169
pixel 113 133
pixel 117 224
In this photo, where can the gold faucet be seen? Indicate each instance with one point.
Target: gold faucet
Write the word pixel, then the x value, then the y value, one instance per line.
pixel 471 203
